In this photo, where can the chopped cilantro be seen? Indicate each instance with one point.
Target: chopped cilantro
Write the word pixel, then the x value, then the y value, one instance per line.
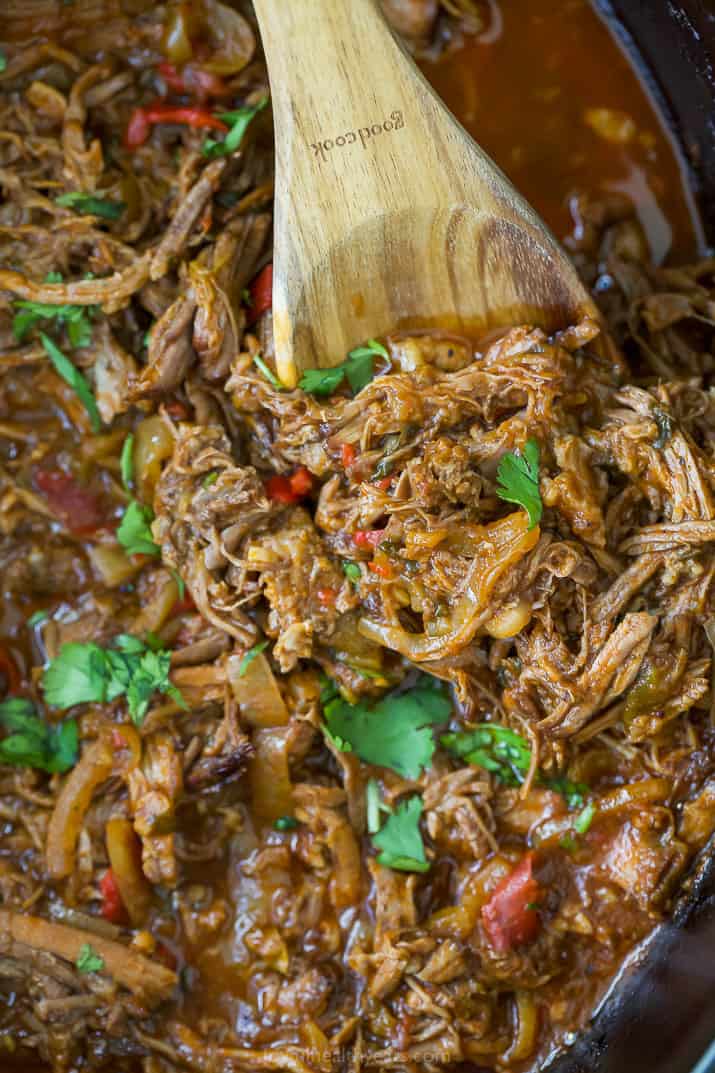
pixel 72 376
pixel 126 462
pixel 358 369
pixel 249 657
pixel 134 532
pixel 494 748
pixel 286 823
pixel 585 818
pixel 569 843
pixel 374 806
pixel 665 428
pixel 88 673
pixel 400 841
pixel 88 960
pixel 238 120
pixel 394 732
pixel 180 583
pixel 507 755
pixel 37 617
pixel 209 479
pixel 518 480
pixel 352 571
pixel 267 372
pixel 34 743
pixel 91 205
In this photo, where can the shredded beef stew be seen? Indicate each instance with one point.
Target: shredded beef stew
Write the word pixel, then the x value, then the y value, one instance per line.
pixel 365 723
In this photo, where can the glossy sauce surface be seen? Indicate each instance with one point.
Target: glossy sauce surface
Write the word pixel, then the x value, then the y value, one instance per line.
pixel 526 87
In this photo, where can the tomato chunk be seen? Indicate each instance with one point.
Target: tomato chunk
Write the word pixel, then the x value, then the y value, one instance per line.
pixel 290 489
pixel 261 291
pixel 368 538
pixel 77 508
pixel 112 904
pixel 509 916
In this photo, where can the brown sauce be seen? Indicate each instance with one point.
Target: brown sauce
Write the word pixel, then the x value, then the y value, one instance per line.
pixel 523 88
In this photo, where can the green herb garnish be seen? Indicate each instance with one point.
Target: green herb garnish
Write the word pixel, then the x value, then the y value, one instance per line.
pixel 507 756
pixel 126 462
pixel 72 376
pixel 518 480
pixel 239 121
pixel 267 372
pixel 180 583
pixel 3 61
pixel 88 960
pixel 352 571
pixel 91 205
pixel 585 818
pixel 394 732
pixel 286 823
pixel 375 806
pixel 400 840
pixel 74 318
pixel 34 743
pixel 358 369
pixel 248 657
pixel 209 479
pixel 37 617
pixel 90 674
pixel 134 532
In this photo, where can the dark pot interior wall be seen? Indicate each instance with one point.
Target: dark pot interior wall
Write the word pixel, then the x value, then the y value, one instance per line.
pixel 674 44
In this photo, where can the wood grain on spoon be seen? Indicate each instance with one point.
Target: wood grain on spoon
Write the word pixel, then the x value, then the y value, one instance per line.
pixel 387 213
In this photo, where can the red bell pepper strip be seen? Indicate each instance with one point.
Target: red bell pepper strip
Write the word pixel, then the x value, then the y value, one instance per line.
pixel 112 904
pixel 348 454
pixel 290 489
pixel 381 569
pixel 368 538
pixel 509 917
pixel 327 597
pixel 142 119
pixel 76 507
pixel 261 292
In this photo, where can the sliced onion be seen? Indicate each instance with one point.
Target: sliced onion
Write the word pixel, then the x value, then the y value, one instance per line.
pixel 256 691
pixel 231 38
pixel 93 768
pixel 153 445
pixel 269 776
pixel 495 548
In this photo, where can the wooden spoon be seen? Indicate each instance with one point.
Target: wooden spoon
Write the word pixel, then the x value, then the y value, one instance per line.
pixel 388 215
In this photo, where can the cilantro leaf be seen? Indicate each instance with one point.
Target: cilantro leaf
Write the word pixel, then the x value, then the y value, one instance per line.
pixel 322 381
pixel 518 480
pixel 267 372
pixel 239 121
pixel 87 673
pixel 395 732
pixel 134 532
pixel 126 462
pixel 3 61
pixel 352 571
pixel 494 748
pixel 88 960
pixel 249 657
pixel 37 618
pixel 72 376
pixel 35 743
pixel 400 840
pixel 358 369
pixel 91 205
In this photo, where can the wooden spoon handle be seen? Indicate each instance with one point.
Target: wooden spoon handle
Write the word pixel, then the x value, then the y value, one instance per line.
pixel 328 60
